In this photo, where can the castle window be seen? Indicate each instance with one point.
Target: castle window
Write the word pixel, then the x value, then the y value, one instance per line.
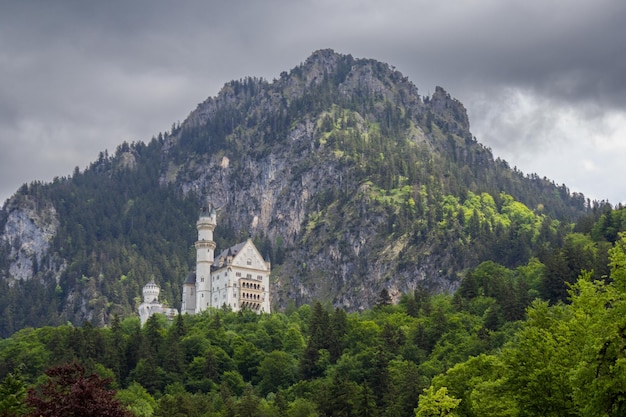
pixel 249 261
pixel 259 277
pixel 202 295
pixel 249 276
pixel 238 274
pixel 201 279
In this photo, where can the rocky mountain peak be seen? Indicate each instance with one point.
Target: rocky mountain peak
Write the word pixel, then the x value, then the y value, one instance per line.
pixel 451 111
pixel 324 61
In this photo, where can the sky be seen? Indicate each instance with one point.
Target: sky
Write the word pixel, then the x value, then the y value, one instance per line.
pixel 543 81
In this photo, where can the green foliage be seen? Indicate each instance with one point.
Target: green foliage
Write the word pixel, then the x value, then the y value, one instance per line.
pixel 437 403
pixel 452 355
pixel 362 364
pixel 13 396
pixel 564 360
pixel 137 400
pixel 477 351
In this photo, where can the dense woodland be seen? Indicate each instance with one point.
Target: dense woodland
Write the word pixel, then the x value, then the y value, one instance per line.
pixel 510 342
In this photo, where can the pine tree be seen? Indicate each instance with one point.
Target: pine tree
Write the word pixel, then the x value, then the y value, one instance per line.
pixel 13 396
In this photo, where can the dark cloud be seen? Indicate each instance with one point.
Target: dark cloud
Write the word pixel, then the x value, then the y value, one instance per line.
pixel 81 77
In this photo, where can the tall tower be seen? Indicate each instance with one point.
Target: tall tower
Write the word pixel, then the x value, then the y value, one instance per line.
pixel 204 257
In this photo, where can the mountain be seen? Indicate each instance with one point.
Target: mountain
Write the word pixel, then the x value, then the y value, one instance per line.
pixel 347 179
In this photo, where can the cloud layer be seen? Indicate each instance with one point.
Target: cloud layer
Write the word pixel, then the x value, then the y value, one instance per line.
pixel 544 82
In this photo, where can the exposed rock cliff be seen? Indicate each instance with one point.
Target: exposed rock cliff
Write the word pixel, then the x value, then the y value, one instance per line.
pixel 29 227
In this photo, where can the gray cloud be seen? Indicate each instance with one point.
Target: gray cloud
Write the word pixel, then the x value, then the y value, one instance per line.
pixel 78 78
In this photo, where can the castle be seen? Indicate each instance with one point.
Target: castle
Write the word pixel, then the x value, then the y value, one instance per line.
pixel 151 304
pixel 238 279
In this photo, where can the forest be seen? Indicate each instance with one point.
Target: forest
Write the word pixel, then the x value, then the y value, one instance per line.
pixel 509 342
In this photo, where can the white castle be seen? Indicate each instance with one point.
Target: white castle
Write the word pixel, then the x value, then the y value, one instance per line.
pixel 238 279
pixel 151 304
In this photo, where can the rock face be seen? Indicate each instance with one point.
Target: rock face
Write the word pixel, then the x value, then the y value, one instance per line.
pixel 29 228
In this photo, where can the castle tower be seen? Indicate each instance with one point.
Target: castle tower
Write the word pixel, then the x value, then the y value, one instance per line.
pixel 204 257
pixel 189 295
pixel 150 292
pixel 151 304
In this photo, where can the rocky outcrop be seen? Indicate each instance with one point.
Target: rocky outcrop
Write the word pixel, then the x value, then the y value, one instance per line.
pixel 451 112
pixel 29 228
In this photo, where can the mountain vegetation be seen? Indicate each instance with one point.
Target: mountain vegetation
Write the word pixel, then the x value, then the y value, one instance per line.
pixel 347 179
pixel 496 347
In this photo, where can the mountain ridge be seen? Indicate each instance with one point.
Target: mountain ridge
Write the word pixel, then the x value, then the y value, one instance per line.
pixel 342 173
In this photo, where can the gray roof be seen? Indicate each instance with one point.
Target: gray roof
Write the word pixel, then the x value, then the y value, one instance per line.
pixel 191 278
pixel 232 251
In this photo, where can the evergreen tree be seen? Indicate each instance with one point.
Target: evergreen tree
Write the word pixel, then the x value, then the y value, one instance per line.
pixel 13 396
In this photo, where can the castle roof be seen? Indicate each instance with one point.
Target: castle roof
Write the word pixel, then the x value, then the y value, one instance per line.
pixel 191 278
pixel 232 251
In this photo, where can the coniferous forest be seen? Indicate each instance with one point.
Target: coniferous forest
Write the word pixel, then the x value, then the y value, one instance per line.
pixel 509 342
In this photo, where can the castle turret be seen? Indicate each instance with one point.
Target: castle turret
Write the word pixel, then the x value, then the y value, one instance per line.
pixel 151 304
pixel 189 294
pixel 150 292
pixel 204 257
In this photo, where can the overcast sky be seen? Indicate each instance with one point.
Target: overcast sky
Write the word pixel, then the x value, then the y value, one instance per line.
pixel 544 81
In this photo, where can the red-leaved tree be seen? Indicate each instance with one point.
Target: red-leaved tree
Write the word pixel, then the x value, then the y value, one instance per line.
pixel 68 392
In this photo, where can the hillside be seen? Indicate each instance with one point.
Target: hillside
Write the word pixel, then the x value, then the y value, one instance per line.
pixel 488 350
pixel 347 179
